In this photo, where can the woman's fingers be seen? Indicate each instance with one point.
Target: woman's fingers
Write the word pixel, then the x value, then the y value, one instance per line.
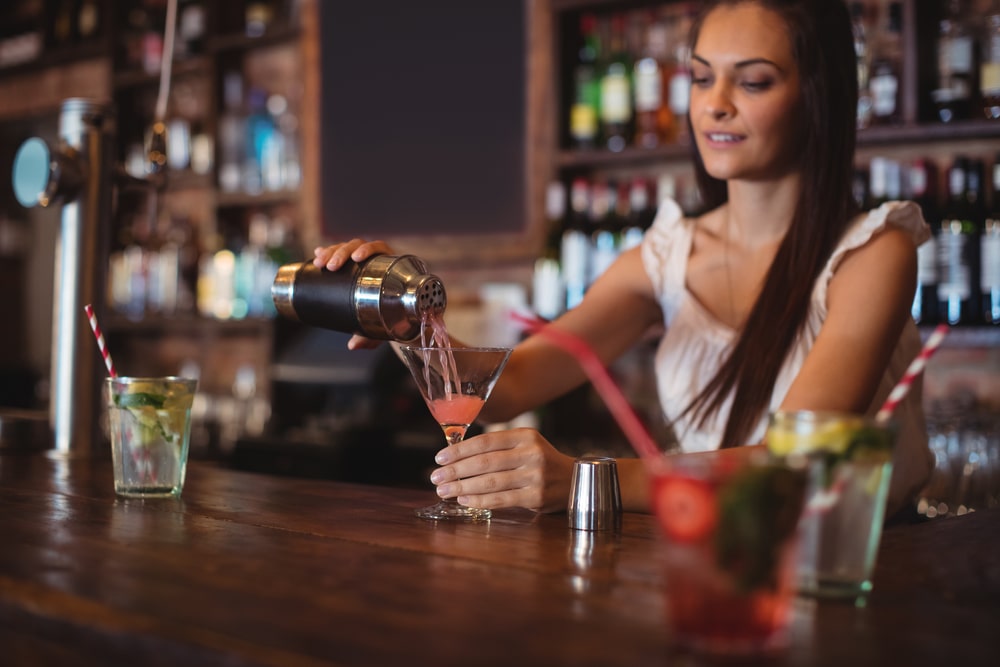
pixel 332 257
pixel 516 468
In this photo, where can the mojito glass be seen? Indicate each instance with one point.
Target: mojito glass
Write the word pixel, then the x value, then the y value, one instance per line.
pixel 729 526
pixel 850 465
pixel 149 420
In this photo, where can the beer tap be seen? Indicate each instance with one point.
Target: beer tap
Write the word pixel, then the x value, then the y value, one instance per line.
pixel 78 174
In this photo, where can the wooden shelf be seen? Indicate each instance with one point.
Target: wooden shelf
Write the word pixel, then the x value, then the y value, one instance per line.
pixel 135 78
pixel 279 35
pixel 967 337
pixel 186 324
pixel 927 133
pixel 585 159
pixel 930 132
pixel 56 57
pixel 266 198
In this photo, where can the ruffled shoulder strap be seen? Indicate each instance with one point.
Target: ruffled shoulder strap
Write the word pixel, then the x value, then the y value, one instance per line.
pixel 904 215
pixel 665 249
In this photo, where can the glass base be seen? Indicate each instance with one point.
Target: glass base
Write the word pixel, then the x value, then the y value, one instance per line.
pixel 449 510
pixel 148 491
pixel 835 589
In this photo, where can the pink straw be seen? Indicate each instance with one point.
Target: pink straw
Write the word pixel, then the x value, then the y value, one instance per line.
pixel 612 395
pixel 100 340
pixel 916 367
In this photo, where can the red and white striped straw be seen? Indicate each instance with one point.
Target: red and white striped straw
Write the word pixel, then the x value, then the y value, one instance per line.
pixel 916 367
pixel 100 340
pixel 605 385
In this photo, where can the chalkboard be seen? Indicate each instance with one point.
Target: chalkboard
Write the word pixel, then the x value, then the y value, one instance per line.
pixel 422 117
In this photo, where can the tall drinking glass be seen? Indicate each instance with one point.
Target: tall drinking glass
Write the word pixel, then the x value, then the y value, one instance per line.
pixel 455 383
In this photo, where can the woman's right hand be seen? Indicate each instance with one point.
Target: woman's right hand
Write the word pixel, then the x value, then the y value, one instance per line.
pixel 332 257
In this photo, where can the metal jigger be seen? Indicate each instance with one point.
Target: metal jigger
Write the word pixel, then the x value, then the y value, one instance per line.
pixel 76 174
pixel 595 501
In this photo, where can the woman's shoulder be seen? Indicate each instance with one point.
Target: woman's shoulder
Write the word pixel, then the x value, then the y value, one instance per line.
pixel 903 217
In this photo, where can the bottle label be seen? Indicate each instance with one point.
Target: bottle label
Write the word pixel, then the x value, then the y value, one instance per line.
pixel 615 103
pixel 582 122
pixel 680 92
pixel 990 272
pixel 648 86
pixel 884 88
pixel 989 79
pixel 957 56
pixel 955 280
pixel 574 253
pixel 927 262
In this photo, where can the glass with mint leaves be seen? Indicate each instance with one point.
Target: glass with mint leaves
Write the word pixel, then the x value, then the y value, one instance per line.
pixel 729 525
pixel 850 465
pixel 149 420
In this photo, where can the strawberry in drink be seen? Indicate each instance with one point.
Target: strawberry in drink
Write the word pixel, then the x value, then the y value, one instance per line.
pixel 728 522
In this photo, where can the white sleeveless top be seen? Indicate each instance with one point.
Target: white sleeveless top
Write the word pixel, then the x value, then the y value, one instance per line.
pixel 695 342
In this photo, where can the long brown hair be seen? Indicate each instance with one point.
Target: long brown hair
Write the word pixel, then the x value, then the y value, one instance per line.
pixel 822 44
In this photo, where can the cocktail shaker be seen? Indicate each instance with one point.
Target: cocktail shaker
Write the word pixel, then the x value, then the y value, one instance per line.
pixel 385 297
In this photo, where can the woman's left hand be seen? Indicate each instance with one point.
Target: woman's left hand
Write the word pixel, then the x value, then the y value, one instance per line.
pixel 511 468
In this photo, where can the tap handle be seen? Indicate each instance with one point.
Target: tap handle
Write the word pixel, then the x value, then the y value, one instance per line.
pixel 43 176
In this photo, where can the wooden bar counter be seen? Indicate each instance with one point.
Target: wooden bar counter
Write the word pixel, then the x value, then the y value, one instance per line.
pixel 254 569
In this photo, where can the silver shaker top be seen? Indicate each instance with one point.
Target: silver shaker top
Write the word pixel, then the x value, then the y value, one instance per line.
pixel 393 293
pixel 595 501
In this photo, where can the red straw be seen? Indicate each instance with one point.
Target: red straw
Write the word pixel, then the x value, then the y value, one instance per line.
pixel 916 367
pixel 612 395
pixel 100 340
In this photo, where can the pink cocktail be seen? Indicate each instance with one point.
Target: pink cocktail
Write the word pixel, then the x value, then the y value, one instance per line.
pixel 455 383
pixel 457 413
pixel 729 526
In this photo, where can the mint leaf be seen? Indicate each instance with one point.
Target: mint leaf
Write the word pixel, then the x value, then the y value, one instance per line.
pixel 140 399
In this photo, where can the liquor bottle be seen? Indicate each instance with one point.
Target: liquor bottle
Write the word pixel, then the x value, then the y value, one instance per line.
pixel 878 181
pixel 603 229
pixel 639 215
pixel 925 304
pixel 88 20
pixel 650 130
pixel 548 296
pixel 232 130
pixel 862 52
pixel 887 68
pixel 953 96
pixel 64 30
pixel 859 187
pixel 989 247
pixel 574 249
pixel 191 25
pixel 957 238
pixel 616 90
pixel 583 114
pixel 679 90
pixel 260 132
pixel 989 65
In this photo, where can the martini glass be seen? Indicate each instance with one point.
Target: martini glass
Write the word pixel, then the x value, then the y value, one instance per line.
pixel 455 383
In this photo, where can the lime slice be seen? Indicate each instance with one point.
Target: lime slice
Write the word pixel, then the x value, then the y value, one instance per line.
pixel 140 399
pixel 834 437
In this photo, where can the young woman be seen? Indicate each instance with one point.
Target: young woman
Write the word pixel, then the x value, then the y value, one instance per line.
pixel 780 295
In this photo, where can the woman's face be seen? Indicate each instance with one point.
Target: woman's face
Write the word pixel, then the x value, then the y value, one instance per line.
pixel 745 94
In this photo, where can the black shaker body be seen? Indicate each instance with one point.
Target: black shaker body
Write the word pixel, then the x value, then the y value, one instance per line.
pixel 385 297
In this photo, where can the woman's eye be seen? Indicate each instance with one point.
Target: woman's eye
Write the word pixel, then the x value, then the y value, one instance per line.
pixel 699 80
pixel 755 86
